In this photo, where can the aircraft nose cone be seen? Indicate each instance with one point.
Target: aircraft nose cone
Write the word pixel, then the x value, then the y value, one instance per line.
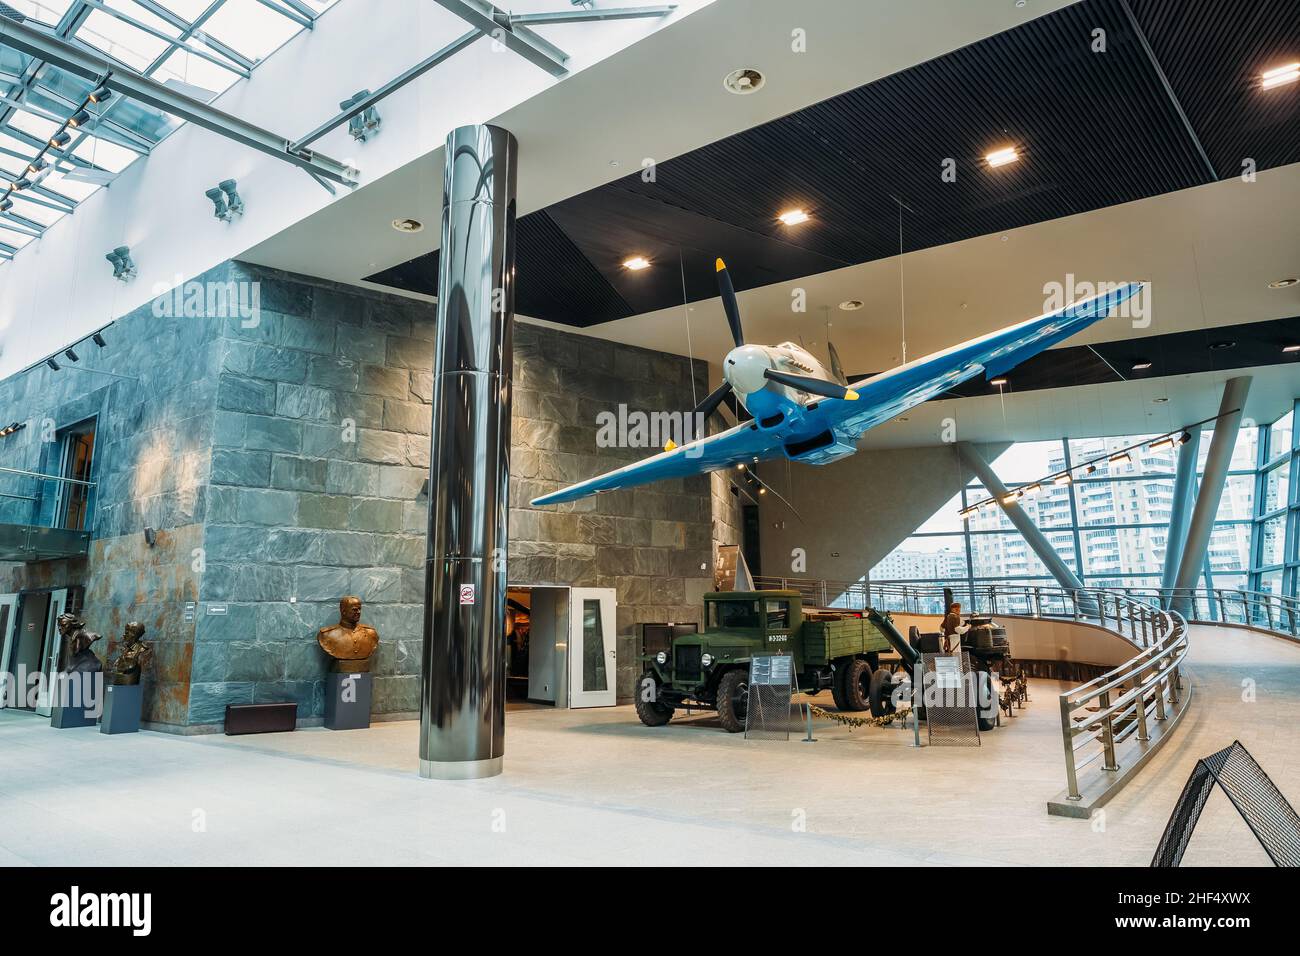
pixel 744 367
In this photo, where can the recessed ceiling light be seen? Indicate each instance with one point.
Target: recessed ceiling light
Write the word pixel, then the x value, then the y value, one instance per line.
pixel 1141 365
pixel 1159 401
pixel 1283 283
pixel 636 263
pixel 851 305
pixel 408 225
pixel 793 217
pixel 744 81
pixel 1279 76
pixel 1223 345
pixel 1000 157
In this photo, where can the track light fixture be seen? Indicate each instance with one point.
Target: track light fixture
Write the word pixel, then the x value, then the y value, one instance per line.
pixel 71 355
pixel 6 205
pixel 226 200
pixel 60 139
pixel 100 95
pixel 54 366
pixel 79 119
pixel 123 266
pixel 98 339
pixel 10 429
pixel 366 123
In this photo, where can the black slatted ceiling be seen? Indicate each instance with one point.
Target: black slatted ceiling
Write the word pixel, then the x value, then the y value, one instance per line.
pixel 1094 129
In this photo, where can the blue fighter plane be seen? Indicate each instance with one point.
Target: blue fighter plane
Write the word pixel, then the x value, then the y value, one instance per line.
pixel 806 413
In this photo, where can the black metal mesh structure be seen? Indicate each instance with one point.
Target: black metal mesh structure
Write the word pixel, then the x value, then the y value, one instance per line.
pixel 1268 814
pixel 768 714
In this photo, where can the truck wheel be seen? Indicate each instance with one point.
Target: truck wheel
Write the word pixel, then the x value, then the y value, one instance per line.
pixel 837 689
pixel 652 711
pixel 857 684
pixel 881 693
pixel 733 701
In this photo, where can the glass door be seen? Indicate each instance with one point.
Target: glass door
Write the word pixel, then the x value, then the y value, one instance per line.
pixel 50 653
pixel 592 657
pixel 8 629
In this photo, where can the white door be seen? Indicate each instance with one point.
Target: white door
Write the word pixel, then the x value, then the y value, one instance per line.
pixel 8 628
pixel 50 658
pixel 592 659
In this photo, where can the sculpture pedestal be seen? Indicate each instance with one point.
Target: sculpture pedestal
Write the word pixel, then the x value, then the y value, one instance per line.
pixel 347 701
pixel 69 706
pixel 122 706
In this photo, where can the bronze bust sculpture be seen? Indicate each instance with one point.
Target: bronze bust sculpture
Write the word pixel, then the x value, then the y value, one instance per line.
pixel 349 642
pixel 77 641
pixel 133 656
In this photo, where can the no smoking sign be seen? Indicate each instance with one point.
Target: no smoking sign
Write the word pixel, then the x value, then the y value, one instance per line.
pixel 467 594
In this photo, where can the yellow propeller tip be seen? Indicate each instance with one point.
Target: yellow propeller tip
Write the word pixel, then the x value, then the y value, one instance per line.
pixel 670 446
pixel 850 395
pixel 719 266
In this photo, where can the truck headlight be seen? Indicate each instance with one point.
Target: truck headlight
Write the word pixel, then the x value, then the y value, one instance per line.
pixel 661 657
pixel 707 660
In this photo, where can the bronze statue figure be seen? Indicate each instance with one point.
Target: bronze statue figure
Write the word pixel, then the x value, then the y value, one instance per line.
pixel 133 656
pixel 349 642
pixel 77 654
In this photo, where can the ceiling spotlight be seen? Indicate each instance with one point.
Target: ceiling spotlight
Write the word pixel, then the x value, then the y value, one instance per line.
pixel 1159 443
pixel 54 366
pixel 1223 345
pixel 1141 366
pixel 851 305
pixel 762 491
pixel 123 267
pixel 1091 469
pixel 1120 457
pixel 999 382
pixel 100 95
pixel 1283 283
pixel 744 81
pixel 793 217
pixel 1010 499
pixel 1033 489
pixel 740 467
pixel 1279 76
pixel 22 183
pixel 636 263
pixel 72 356
pixel 98 339
pixel 366 123
pixel 60 139
pixel 6 205
pixel 1184 438
pixel 225 200
pixel 1062 479
pixel 1002 157
pixel 36 165
pixel 1163 400
pixel 79 119
pixel 408 225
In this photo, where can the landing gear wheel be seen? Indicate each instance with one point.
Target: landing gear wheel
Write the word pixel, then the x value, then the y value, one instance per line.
pixel 733 701
pixel 837 688
pixel 881 693
pixel 857 685
pixel 652 711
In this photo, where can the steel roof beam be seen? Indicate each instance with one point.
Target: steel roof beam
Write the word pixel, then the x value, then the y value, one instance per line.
pixel 496 23
pixel 159 34
pixel 188 29
pixel 142 89
pixel 297 14
pixel 592 15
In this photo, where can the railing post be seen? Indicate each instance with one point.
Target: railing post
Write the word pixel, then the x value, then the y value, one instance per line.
pixel 1038 602
pixel 1067 735
pixel 1141 706
pixel 1107 733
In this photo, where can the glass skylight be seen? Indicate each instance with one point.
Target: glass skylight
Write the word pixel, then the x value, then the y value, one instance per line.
pixel 198 47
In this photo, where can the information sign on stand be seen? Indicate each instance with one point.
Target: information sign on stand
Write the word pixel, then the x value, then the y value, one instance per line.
pixel 948 693
pixel 771 685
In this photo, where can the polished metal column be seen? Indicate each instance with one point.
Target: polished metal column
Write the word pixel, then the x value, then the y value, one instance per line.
pixel 1217 462
pixel 1057 567
pixel 462 705
pixel 1181 509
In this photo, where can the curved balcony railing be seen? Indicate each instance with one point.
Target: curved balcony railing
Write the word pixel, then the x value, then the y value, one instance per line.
pixel 1110 725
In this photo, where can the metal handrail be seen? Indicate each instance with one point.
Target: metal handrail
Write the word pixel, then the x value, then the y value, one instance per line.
pixel 45 477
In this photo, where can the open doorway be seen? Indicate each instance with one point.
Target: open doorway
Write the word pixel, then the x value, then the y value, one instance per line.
pixel 560 647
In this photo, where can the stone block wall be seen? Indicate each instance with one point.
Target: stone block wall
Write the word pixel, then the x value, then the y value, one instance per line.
pixel 282 460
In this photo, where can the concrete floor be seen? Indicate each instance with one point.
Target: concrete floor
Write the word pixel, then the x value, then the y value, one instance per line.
pixel 596 786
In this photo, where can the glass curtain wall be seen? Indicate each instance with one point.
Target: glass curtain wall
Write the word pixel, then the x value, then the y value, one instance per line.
pixel 1111 524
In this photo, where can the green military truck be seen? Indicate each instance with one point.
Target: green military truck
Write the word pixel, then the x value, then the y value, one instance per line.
pixel 711 669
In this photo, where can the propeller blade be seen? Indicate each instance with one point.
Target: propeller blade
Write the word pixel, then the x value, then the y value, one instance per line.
pixel 706 407
pixel 728 294
pixel 813 386
pixel 836 368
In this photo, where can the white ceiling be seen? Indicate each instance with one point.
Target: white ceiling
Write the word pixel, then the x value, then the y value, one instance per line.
pixel 658 98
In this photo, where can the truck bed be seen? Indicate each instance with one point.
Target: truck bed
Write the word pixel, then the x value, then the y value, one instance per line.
pixel 825 640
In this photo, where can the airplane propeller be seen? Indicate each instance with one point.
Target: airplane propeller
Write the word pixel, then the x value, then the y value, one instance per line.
pixel 813 386
pixel 836 368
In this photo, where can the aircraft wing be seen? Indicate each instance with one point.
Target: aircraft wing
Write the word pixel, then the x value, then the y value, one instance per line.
pixel 744 442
